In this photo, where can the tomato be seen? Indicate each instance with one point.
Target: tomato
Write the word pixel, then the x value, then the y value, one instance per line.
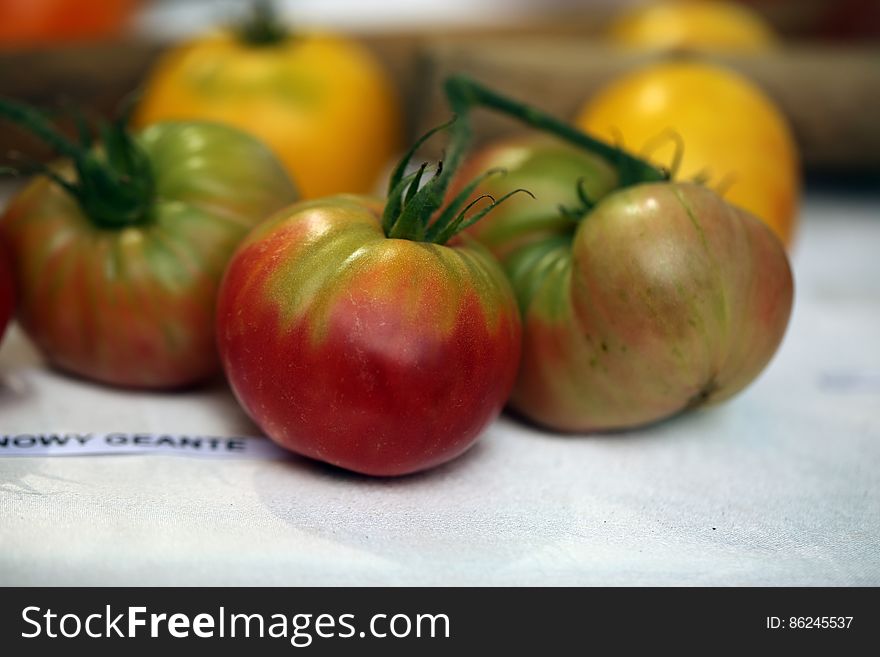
pixel 704 25
pixel 640 297
pixel 117 276
pixel 666 298
pixel 382 355
pixel 728 128
pixel 29 22
pixel 321 102
pixel 7 295
pixel 661 298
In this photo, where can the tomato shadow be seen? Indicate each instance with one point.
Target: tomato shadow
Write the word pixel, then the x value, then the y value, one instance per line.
pixel 319 469
pixel 461 511
pixel 16 471
pixel 656 431
pixel 16 354
pixel 14 390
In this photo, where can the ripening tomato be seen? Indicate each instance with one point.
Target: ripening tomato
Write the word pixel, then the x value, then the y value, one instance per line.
pixel 119 254
pixel 30 22
pixel 7 295
pixel 382 355
pixel 705 25
pixel 666 298
pixel 321 102
pixel 637 302
pixel 729 130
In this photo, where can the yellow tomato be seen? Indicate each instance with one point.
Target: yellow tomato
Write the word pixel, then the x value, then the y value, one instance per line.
pixel 693 25
pixel 729 131
pixel 322 103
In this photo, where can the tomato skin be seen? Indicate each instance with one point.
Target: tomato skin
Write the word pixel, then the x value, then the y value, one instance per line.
pixel 620 310
pixel 322 103
pixel 7 293
pixel 667 298
pixel 705 25
pixel 728 127
pixel 134 306
pixel 382 356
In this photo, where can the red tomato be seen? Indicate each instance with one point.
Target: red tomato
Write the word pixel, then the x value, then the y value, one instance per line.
pixel 384 356
pixel 28 22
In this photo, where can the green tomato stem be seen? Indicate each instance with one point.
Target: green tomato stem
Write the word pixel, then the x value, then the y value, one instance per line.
pixel 412 212
pixel 114 184
pixel 464 93
pixel 263 27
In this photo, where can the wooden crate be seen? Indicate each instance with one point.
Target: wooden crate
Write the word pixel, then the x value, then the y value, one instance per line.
pixel 829 93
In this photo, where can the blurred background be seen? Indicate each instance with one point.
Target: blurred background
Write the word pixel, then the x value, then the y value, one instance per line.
pixel 30 22
pixel 816 62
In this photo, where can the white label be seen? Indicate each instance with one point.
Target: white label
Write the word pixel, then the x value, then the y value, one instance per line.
pixel 81 444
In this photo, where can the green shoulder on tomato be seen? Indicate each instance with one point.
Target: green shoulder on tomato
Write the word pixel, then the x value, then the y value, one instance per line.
pixel 118 251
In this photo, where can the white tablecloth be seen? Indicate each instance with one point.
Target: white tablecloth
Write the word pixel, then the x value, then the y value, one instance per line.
pixel 779 486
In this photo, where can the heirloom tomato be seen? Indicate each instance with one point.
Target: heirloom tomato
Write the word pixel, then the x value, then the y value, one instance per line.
pixel 321 102
pixel 639 297
pixel 728 130
pixel 354 333
pixel 705 25
pixel 118 250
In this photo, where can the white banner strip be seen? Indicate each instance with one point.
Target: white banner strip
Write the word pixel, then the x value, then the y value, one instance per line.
pixel 83 444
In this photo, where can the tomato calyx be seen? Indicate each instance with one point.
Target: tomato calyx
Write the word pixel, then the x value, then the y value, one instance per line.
pixel 575 213
pixel 114 183
pixel 411 209
pixel 262 27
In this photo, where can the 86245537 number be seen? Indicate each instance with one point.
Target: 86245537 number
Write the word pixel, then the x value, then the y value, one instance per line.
pixel 809 622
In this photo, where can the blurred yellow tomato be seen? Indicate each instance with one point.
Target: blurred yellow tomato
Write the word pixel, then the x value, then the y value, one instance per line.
pixel 321 102
pixel 692 25
pixel 729 129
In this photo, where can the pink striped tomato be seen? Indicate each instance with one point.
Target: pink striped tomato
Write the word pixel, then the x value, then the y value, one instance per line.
pixel 637 302
pixel 377 354
pixel 119 251
pixel 663 298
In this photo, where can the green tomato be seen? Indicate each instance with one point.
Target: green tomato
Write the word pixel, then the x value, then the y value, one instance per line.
pixel 116 278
